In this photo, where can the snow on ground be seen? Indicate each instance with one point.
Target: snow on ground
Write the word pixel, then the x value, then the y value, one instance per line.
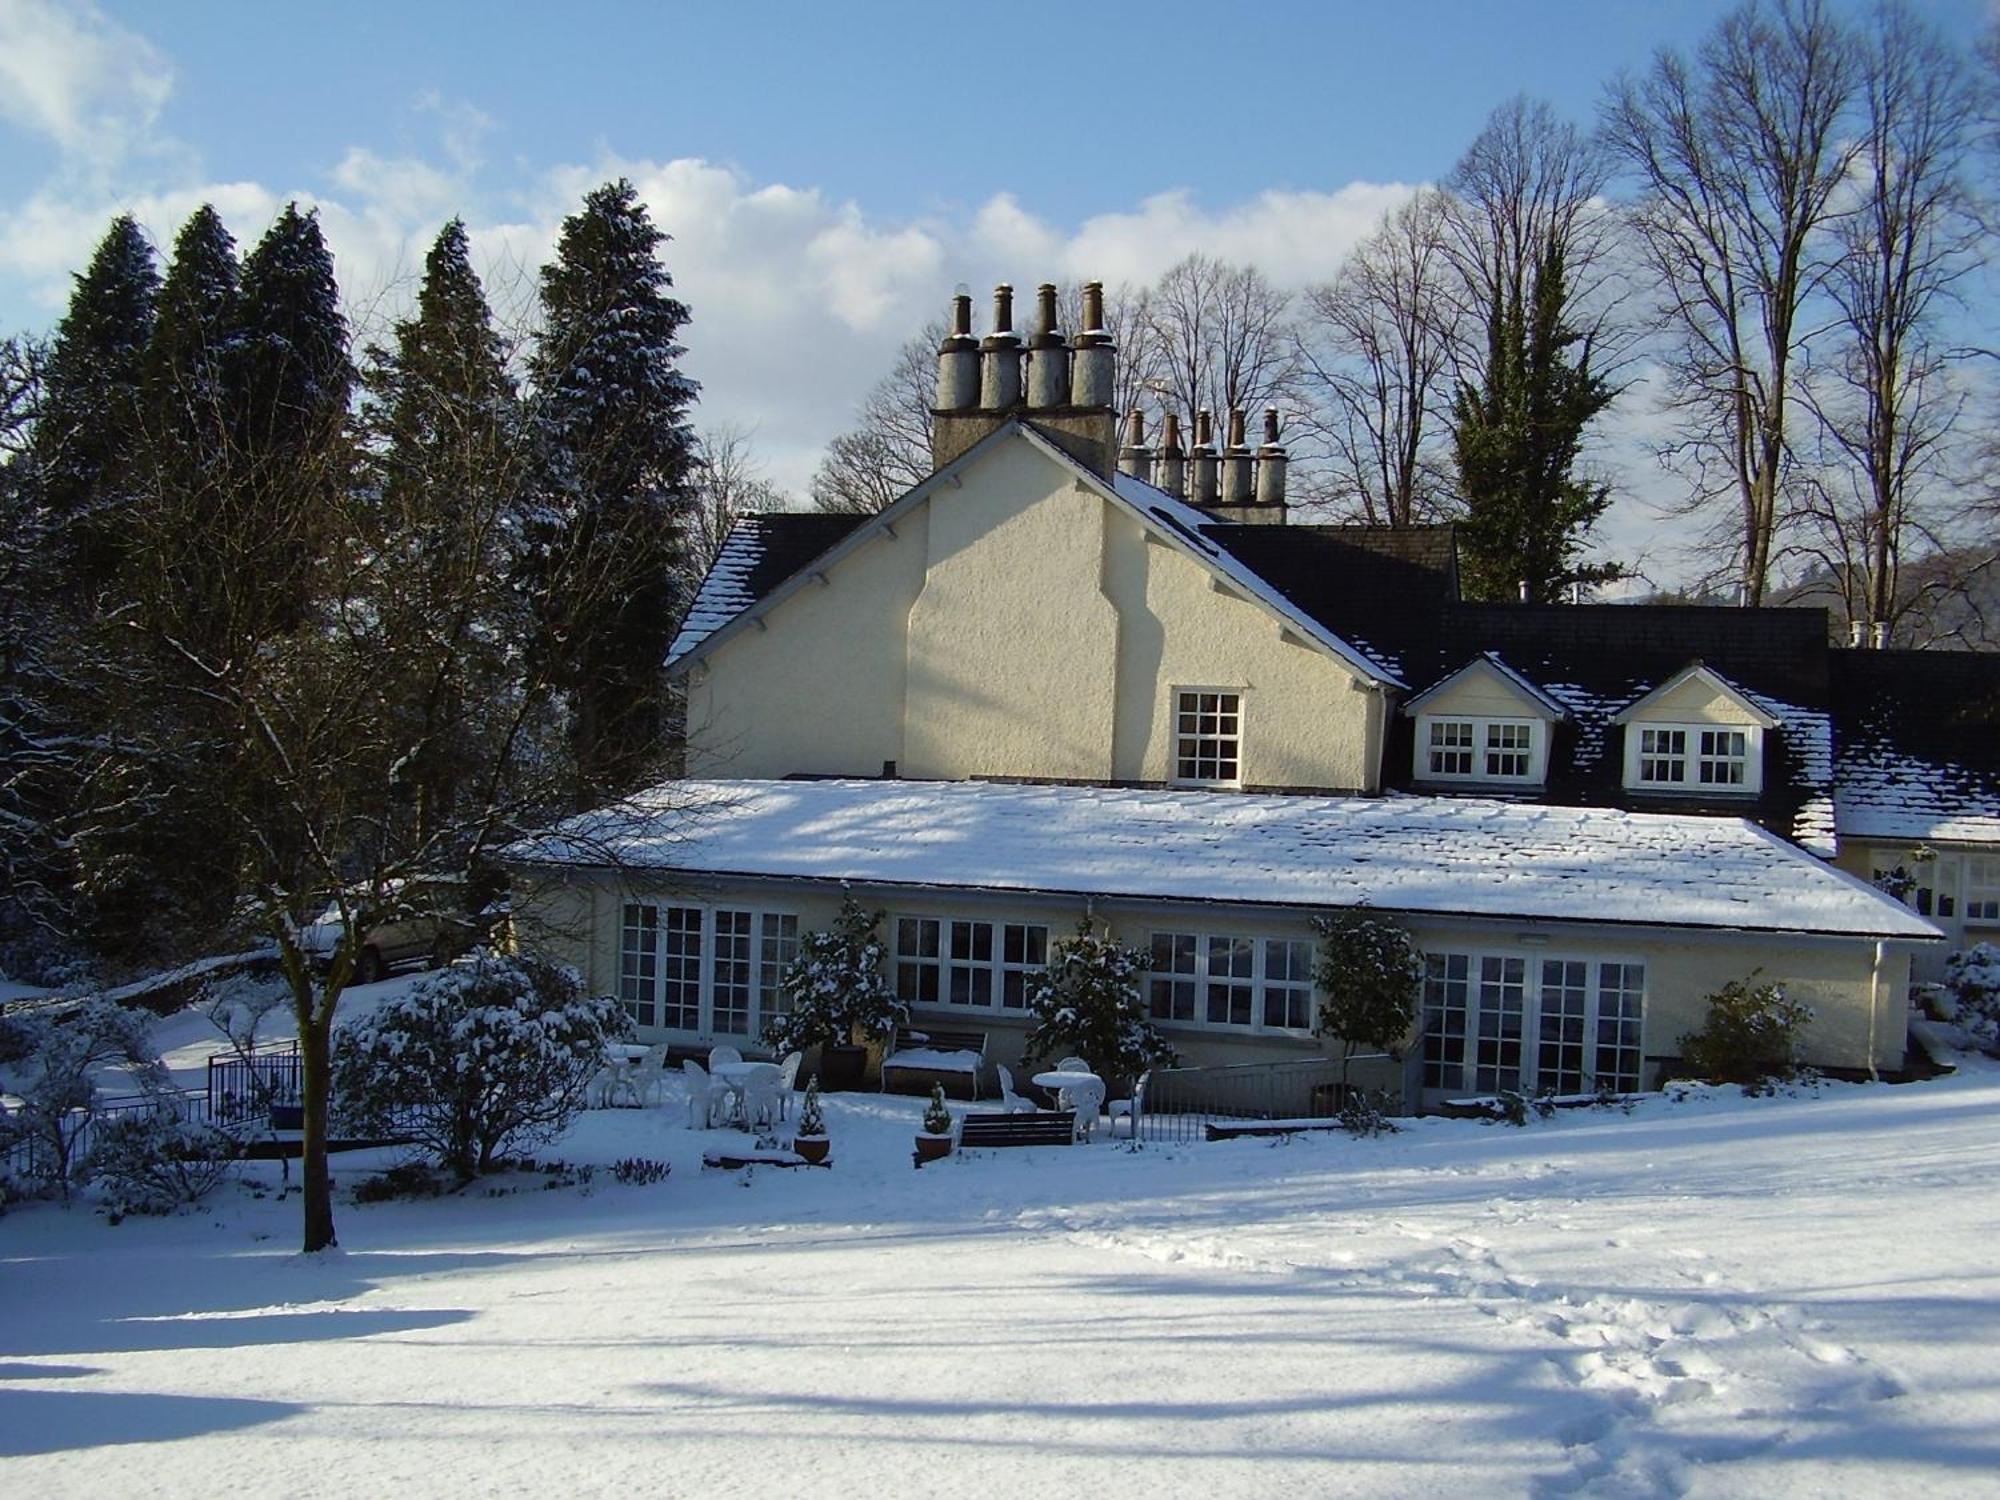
pixel 1723 1296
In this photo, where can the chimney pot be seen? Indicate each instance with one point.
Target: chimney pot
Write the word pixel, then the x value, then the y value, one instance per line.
pixel 1135 458
pixel 1048 356
pixel 1239 485
pixel 958 361
pixel 1003 308
pixel 1093 307
pixel 1000 356
pixel 1270 427
pixel 1170 465
pixel 1272 463
pixel 1206 480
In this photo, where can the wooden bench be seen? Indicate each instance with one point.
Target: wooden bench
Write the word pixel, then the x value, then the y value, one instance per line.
pixel 936 1054
pixel 1041 1127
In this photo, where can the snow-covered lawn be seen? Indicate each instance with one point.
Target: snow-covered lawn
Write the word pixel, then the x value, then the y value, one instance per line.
pixel 1726 1296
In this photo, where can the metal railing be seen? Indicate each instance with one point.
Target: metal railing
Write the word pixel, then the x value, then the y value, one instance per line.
pixel 33 1158
pixel 242 1086
pixel 1181 1103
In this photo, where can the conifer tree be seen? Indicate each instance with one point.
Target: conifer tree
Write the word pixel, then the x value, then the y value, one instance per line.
pixel 1516 438
pixel 615 479
pixel 87 433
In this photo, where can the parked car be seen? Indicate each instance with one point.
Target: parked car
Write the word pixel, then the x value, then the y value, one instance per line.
pixel 434 927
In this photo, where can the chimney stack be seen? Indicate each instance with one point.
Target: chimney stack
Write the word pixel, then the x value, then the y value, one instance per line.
pixel 1093 365
pixel 1271 462
pixel 1048 356
pixel 958 360
pixel 1202 460
pixel 1878 636
pixel 1000 356
pixel 1170 468
pixel 1135 458
pixel 1239 486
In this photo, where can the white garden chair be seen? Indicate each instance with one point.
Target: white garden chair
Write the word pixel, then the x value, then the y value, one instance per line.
pixel 1086 1098
pixel 701 1095
pixel 723 1054
pixel 1010 1101
pixel 1129 1110
pixel 761 1098
pixel 1073 1065
pixel 788 1082
pixel 648 1076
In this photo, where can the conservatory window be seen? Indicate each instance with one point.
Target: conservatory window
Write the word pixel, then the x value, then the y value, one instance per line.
pixel 975 965
pixel 1497 1021
pixel 1226 982
pixel 639 963
pixel 1982 888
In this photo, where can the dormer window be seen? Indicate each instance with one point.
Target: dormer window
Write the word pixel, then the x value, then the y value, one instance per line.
pixel 1477 749
pixel 1696 734
pixel 1720 760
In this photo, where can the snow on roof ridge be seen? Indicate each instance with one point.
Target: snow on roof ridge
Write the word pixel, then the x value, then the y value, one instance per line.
pixel 1438 855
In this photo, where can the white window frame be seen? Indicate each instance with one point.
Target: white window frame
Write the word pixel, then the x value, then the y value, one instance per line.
pixel 1178 737
pixel 956 946
pixel 1479 1038
pixel 643 971
pixel 1692 756
pixel 1206 982
pixel 1483 727
pixel 1982 889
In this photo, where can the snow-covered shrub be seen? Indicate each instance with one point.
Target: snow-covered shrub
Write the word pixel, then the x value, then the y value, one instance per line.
pixel 812 1121
pixel 55 1053
pixel 154 1162
pixel 1751 1033
pixel 477 1060
pixel 409 1179
pixel 1088 1002
pixel 1972 980
pixel 1517 1106
pixel 1372 975
pixel 937 1117
pixel 1364 1114
pixel 835 987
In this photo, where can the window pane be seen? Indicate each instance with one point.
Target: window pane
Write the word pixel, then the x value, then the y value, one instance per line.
pixel 1447 987
pixel 778 945
pixel 639 963
pixel 1451 747
pixel 1565 992
pixel 1620 995
pixel 1171 989
pixel 1507 749
pixel 1231 963
pixel 917 977
pixel 1206 740
pixel 1502 1008
pixel 680 969
pixel 1024 948
pixel 729 985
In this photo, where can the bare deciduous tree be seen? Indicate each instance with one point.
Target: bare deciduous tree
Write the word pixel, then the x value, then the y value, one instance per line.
pixel 888 450
pixel 1375 353
pixel 1222 338
pixel 729 484
pixel 1887 406
pixel 1739 157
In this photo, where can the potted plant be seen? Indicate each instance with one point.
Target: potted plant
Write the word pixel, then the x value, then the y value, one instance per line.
pixel 809 1140
pixel 934 1140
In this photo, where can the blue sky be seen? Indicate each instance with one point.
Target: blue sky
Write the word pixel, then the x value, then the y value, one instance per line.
pixel 829 171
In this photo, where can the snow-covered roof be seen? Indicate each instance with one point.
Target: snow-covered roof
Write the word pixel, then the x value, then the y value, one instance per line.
pixel 725 591
pixel 1447 856
pixel 1880 793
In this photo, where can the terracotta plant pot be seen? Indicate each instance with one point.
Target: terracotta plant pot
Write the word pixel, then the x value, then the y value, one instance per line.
pixel 932 1147
pixel 812 1147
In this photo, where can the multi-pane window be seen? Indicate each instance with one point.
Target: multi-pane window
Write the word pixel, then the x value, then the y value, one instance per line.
pixel 919 960
pixel 732 993
pixel 1208 737
pixel 1232 971
pixel 680 968
pixel 1476 749
pixel 1982 888
pixel 1024 948
pixel 1450 747
pixel 1231 982
pixel 1502 1017
pixel 1700 757
pixel 1495 1021
pixel 1725 758
pixel 1447 1008
pixel 777 946
pixel 711 972
pixel 972 964
pixel 1663 756
pixel 1176 963
pixel 1288 984
pixel 1509 751
pixel 1620 990
pixel 639 963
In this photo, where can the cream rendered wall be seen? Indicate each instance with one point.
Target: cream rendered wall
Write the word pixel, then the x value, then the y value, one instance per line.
pixel 1308 719
pixel 1693 702
pixel 1020 624
pixel 821 689
pixel 579 921
pixel 1481 693
pixel 1012 645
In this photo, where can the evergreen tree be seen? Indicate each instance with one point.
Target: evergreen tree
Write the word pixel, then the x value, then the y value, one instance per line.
pixel 290 381
pixel 446 480
pixel 615 482
pixel 1516 439
pixel 87 435
pixel 1089 1001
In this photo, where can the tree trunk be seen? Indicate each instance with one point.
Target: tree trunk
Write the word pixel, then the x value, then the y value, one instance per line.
pixel 316 1088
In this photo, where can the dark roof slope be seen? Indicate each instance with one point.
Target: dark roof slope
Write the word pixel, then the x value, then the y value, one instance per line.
pixel 760 553
pixel 1919 737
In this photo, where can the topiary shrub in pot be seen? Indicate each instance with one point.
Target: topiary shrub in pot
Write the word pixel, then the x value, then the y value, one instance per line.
pixel 934 1140
pixel 809 1140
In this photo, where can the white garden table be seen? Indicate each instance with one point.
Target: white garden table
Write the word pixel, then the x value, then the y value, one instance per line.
pixel 1082 1092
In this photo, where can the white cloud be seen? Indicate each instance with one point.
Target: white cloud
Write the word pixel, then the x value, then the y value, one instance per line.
pixel 72 75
